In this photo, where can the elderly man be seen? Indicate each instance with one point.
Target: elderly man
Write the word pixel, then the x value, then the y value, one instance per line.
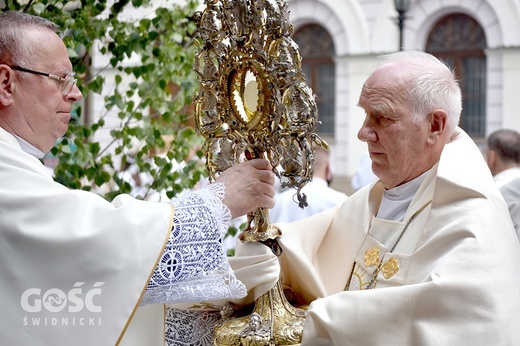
pixel 74 267
pixel 427 255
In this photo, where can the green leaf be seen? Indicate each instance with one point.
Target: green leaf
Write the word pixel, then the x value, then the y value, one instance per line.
pixel 38 8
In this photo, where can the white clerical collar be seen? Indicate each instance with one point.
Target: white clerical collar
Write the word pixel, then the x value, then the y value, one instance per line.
pixel 396 200
pixel 29 148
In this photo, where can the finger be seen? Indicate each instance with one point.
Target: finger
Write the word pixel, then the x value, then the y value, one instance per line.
pixel 269 191
pixel 267 196
pixel 261 164
pixel 266 201
pixel 266 177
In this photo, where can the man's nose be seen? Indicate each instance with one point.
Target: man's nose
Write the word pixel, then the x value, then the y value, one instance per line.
pixel 75 94
pixel 366 133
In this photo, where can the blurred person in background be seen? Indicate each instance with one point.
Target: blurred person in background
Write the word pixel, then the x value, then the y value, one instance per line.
pixel 320 196
pixel 503 155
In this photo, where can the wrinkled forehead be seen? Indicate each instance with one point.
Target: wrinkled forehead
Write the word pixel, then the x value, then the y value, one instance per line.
pixel 389 74
pixel 385 89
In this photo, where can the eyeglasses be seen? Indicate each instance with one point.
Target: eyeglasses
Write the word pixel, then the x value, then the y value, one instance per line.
pixel 67 82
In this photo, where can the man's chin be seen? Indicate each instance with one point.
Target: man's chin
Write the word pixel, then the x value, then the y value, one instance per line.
pixel 57 137
pixel 378 169
pixel 62 131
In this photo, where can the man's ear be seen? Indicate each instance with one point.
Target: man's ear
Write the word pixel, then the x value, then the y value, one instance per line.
pixel 6 85
pixel 491 159
pixel 438 123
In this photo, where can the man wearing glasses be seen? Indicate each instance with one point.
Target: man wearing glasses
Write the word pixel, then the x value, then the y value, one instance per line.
pixel 67 82
pixel 74 267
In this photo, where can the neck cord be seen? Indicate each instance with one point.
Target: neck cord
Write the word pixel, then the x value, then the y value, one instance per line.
pixel 380 264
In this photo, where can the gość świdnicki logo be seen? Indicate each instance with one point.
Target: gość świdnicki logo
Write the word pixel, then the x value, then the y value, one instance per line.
pixel 75 307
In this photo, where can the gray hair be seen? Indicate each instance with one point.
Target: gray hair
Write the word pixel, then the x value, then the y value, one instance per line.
pixel 430 84
pixel 14 47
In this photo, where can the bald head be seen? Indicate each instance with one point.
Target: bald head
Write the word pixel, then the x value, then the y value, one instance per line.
pixel 412 105
pixel 422 83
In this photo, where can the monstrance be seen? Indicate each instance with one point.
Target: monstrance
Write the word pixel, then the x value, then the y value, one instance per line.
pixel 254 102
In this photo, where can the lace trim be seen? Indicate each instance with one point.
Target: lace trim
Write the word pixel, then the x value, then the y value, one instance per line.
pixel 194 328
pixel 194 264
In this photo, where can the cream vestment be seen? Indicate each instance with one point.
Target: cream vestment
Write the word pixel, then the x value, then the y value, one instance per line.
pixel 458 281
pixel 74 268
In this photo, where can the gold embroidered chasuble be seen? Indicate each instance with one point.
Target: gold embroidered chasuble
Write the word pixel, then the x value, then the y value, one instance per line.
pixel 457 281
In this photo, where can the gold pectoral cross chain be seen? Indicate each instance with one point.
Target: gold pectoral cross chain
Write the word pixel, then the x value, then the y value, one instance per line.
pixel 390 267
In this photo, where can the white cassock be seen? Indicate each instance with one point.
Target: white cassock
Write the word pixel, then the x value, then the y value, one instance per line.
pixel 458 277
pixel 506 176
pixel 511 194
pixel 74 268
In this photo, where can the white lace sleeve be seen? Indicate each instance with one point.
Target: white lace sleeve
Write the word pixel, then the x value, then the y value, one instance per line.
pixel 194 264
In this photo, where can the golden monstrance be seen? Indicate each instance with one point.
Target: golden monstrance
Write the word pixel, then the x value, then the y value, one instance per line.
pixel 254 102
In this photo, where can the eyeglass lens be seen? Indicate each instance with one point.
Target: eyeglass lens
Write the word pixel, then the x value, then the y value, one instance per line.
pixel 68 84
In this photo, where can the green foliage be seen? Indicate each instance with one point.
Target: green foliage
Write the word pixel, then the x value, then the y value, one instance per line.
pixel 149 99
pixel 233 232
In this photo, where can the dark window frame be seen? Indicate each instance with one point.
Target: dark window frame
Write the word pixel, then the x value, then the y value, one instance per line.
pixel 317 51
pixel 459 40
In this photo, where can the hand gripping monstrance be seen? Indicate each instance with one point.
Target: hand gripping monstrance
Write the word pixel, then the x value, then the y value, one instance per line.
pixel 254 102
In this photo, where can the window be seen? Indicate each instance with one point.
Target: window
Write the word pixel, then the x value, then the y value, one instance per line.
pixel 460 41
pixel 317 50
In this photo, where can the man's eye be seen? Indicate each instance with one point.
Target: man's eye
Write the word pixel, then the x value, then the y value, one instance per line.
pixel 384 120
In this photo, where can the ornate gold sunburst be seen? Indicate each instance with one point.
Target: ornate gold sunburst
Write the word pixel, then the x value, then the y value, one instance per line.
pixel 254 102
